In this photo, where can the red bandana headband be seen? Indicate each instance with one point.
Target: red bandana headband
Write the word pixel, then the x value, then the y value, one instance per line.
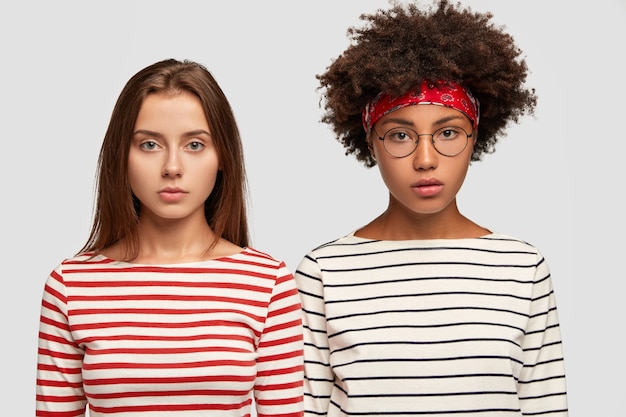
pixel 443 93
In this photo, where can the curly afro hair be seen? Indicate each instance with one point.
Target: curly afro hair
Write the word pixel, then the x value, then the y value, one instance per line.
pixel 399 47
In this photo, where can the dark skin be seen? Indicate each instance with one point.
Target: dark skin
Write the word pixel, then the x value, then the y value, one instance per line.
pixel 418 210
pixel 388 226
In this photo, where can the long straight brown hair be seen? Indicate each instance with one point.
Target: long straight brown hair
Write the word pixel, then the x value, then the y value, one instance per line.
pixel 116 212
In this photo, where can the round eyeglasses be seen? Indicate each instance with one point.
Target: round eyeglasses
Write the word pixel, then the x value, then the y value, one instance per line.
pixel 402 141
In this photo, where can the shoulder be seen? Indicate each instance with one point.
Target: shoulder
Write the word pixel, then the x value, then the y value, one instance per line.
pixel 265 267
pixel 76 265
pixel 259 258
pixel 506 250
pixel 339 250
pixel 346 242
pixel 353 247
pixel 506 242
pixel 85 260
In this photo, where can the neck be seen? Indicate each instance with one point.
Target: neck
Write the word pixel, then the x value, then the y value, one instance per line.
pixel 174 241
pixel 398 223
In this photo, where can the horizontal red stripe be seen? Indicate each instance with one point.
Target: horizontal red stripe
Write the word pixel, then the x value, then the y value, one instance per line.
pixel 72 413
pixel 290 308
pixel 279 342
pixel 212 336
pixel 281 356
pixel 284 278
pixel 183 325
pixel 167 297
pixel 46 304
pixel 279 387
pixel 139 394
pixel 170 407
pixel 294 414
pixel 282 326
pixel 54 323
pixel 281 401
pixel 285 294
pixel 60 399
pixel 168 311
pixel 55 338
pixel 169 284
pixel 164 351
pixel 53 368
pixel 59 355
pixel 170 380
pixel 63 384
pixel 280 371
pixel 170 270
pixel 178 365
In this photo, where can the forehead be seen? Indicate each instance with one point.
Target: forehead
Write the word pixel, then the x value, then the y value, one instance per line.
pixel 164 108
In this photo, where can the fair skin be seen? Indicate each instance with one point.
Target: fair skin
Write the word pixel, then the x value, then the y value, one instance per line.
pixel 422 186
pixel 172 169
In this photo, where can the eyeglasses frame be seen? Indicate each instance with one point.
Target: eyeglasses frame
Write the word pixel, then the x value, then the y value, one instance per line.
pixel 432 139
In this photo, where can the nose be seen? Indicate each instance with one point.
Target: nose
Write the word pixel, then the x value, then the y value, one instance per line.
pixel 172 166
pixel 425 155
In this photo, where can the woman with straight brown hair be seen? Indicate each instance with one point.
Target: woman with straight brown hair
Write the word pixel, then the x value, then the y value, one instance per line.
pixel 167 310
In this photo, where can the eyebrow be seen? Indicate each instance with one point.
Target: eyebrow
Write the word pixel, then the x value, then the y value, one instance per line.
pixel 159 135
pixel 408 122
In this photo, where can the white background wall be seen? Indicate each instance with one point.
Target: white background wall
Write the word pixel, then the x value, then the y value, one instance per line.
pixel 555 181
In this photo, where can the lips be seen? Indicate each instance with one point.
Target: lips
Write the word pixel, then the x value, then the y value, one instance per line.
pixel 427 187
pixel 172 194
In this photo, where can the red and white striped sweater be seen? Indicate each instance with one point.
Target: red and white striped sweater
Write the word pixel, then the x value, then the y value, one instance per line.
pixel 188 339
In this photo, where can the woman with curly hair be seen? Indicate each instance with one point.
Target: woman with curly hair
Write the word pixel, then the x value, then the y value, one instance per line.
pixel 423 311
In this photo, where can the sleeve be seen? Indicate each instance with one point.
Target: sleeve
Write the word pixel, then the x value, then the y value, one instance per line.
pixel 541 387
pixel 59 359
pixel 278 387
pixel 318 375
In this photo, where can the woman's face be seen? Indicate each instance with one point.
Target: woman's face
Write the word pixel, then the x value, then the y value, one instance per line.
pixel 172 162
pixel 424 182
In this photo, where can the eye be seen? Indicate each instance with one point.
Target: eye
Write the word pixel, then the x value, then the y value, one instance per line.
pixel 400 135
pixel 195 146
pixel 448 133
pixel 148 145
